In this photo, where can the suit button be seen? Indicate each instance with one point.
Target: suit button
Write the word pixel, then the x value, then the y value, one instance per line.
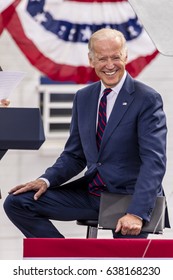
pixel 99 164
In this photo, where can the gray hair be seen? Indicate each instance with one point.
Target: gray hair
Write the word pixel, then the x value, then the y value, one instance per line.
pixel 106 33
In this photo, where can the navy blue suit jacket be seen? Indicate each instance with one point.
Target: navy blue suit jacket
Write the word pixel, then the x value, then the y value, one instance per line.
pixel 132 156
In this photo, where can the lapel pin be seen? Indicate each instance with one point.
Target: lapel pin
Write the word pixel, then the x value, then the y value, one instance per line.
pixel 124 103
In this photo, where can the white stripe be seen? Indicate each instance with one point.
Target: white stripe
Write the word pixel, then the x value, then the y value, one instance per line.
pixel 141 46
pixel 4 4
pixel 92 12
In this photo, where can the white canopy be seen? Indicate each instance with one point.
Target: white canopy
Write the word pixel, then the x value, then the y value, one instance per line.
pixel 157 18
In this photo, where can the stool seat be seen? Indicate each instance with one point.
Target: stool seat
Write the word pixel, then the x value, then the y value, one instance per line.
pixel 92 227
pixel 92 223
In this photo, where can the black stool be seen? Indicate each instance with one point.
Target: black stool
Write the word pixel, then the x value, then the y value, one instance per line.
pixel 92 227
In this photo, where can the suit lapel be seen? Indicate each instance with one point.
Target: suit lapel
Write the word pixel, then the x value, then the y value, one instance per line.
pixel 92 117
pixel 122 104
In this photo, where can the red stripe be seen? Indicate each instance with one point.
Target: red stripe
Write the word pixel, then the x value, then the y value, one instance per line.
pixel 95 183
pixel 100 179
pixel 96 194
pixel 6 15
pixel 137 65
pixel 99 136
pixel 102 104
pixel 103 122
pixel 101 128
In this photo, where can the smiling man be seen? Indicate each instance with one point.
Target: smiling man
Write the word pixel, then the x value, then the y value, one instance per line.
pixel 118 133
pixel 108 56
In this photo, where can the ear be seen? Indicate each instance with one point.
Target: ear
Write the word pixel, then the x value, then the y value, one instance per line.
pixel 126 58
pixel 90 61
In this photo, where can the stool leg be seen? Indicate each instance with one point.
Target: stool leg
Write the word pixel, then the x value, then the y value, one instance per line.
pixel 92 232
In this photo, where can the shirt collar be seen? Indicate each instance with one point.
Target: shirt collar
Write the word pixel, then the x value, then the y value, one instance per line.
pixel 118 87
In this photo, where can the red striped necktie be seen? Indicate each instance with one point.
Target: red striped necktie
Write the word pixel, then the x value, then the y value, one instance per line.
pixel 96 186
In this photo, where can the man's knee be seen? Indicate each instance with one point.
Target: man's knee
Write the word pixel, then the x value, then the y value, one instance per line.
pixel 11 202
pixel 8 203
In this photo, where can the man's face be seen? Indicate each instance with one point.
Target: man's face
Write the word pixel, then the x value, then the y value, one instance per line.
pixel 108 60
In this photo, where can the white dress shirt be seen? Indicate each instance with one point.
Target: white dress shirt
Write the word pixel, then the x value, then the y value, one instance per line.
pixel 111 97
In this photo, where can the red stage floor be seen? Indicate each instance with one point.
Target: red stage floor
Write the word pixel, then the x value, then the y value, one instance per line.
pixel 97 248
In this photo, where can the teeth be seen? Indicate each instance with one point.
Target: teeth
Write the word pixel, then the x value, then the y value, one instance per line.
pixel 110 73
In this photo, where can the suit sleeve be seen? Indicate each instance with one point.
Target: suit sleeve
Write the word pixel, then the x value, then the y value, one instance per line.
pixel 72 160
pixel 152 131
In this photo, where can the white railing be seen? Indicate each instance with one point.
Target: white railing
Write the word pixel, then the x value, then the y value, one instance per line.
pixel 56 124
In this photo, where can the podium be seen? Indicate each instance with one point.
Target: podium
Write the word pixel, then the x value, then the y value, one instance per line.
pixel 20 128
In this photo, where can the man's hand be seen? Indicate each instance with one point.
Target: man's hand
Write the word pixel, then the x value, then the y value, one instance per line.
pixel 129 224
pixel 39 186
pixel 4 102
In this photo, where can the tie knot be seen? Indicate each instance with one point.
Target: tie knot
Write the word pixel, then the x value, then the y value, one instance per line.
pixel 107 91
